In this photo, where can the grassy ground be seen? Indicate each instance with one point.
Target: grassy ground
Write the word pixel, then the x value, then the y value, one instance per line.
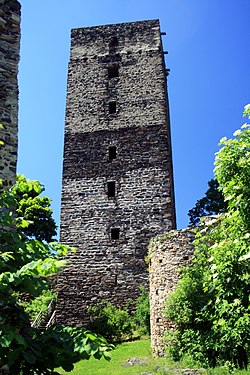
pixel 137 349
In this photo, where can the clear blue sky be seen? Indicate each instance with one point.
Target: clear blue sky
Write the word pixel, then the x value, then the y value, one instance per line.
pixel 209 83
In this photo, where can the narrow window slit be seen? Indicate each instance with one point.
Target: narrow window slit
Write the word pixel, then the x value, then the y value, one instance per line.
pixel 111 189
pixel 112 152
pixel 115 233
pixel 112 107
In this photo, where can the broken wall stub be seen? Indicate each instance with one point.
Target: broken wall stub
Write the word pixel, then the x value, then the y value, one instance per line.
pixel 167 254
pixel 9 59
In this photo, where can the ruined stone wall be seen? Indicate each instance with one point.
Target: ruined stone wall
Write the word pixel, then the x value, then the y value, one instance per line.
pixel 121 64
pixel 167 253
pixel 9 58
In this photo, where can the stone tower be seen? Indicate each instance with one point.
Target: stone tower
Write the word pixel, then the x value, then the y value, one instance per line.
pixel 9 59
pixel 117 170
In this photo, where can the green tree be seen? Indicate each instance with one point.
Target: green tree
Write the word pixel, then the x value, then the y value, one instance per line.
pixel 25 265
pixel 34 208
pixel 212 204
pixel 211 304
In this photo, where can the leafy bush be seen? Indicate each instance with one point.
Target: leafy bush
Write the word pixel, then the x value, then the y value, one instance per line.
pixel 141 316
pixel 111 322
pixel 117 324
pixel 40 303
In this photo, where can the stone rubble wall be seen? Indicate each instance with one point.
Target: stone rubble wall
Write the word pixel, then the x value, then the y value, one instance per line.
pixel 143 205
pixel 9 59
pixel 167 254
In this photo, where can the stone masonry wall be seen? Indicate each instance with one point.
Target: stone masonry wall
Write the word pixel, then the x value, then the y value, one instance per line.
pixel 167 252
pixel 121 64
pixel 9 58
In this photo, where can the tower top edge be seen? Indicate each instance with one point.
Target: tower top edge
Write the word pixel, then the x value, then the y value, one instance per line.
pixel 14 4
pixel 123 25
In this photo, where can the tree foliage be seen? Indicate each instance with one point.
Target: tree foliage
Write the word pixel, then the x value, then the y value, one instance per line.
pixel 25 265
pixel 212 204
pixel 211 304
pixel 34 208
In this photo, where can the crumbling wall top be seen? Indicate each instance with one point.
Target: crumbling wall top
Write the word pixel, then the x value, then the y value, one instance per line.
pixel 124 37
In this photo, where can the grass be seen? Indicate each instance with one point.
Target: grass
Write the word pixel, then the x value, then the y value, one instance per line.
pixel 137 349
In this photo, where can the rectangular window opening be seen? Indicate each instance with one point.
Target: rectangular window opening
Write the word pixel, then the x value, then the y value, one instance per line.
pixel 113 42
pixel 115 233
pixel 111 189
pixel 112 152
pixel 113 71
pixel 112 107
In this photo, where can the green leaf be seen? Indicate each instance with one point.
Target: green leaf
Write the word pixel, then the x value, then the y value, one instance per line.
pixel 6 340
pixel 20 340
pixel 30 357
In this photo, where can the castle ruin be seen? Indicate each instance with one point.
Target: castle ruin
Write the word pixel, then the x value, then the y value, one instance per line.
pixel 117 176
pixel 117 170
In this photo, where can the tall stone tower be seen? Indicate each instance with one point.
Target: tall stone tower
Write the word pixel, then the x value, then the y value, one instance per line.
pixel 117 170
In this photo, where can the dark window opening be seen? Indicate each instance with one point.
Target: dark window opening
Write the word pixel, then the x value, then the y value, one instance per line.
pixel 111 188
pixel 112 107
pixel 114 42
pixel 112 152
pixel 113 71
pixel 115 233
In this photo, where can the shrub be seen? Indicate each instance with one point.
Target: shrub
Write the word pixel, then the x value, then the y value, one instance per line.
pixel 111 322
pixel 141 316
pixel 117 324
pixel 40 303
